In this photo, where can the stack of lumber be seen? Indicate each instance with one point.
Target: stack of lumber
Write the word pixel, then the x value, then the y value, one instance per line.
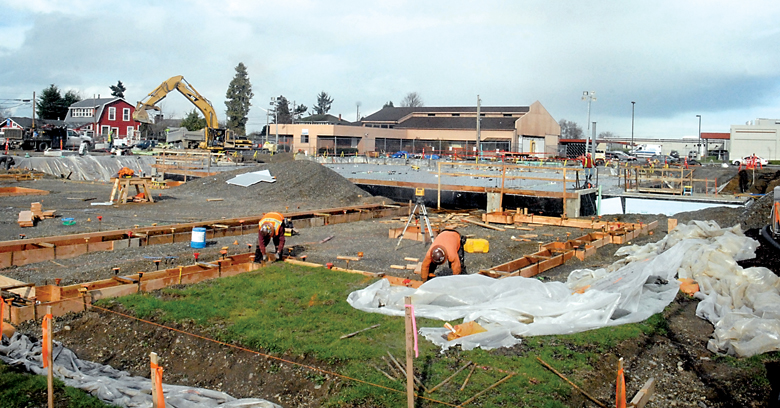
pixel 28 218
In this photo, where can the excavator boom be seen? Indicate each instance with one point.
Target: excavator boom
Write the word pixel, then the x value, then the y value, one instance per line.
pixel 214 137
pixel 185 88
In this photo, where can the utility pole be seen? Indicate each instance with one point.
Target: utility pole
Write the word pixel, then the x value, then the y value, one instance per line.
pixel 632 125
pixel 33 115
pixel 479 134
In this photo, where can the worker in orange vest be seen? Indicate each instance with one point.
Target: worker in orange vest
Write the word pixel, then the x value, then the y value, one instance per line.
pixel 448 245
pixel 587 163
pixel 271 227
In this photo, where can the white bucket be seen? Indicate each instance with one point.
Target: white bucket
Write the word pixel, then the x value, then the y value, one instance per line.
pixel 198 237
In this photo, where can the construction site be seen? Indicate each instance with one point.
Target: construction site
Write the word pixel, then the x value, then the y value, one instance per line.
pixel 654 286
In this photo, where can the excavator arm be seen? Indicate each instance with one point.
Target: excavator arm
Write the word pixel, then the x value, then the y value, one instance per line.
pixel 185 88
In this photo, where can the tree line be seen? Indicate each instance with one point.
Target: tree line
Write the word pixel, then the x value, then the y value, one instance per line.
pixel 52 104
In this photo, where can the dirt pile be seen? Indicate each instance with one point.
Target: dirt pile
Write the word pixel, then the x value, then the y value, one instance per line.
pixel 298 183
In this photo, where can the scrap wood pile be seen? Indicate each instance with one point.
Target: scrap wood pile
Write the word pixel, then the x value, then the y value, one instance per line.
pixel 28 218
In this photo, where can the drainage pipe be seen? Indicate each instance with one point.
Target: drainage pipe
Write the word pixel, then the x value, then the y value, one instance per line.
pixel 768 236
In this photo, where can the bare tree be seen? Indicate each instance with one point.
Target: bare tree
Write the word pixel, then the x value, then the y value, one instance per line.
pixel 570 130
pixel 607 135
pixel 412 100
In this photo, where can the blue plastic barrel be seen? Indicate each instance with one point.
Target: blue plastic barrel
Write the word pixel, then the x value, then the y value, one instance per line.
pixel 198 237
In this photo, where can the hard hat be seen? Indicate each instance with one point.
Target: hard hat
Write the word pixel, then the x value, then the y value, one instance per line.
pixel 265 229
pixel 437 256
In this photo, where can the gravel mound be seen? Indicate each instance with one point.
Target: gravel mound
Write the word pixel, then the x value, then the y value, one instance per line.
pixel 298 183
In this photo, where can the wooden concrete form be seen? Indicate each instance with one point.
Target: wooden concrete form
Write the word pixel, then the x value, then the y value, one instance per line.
pixel 27 251
pixel 519 217
pixel 556 253
pixel 78 297
pixel 20 191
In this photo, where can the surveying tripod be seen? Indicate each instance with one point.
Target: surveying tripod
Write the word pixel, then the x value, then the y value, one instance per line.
pixel 419 194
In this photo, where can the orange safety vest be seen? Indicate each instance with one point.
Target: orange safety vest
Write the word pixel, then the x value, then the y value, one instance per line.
pixel 273 218
pixel 587 162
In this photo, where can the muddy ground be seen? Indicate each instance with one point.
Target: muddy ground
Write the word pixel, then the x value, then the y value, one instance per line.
pixel 687 374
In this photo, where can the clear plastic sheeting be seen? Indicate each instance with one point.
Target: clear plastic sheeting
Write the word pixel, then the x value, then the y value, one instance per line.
pixel 628 291
pixel 89 168
pixel 111 385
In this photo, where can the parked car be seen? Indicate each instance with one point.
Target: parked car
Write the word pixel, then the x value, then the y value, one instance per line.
pixel 746 159
pixel 401 154
pixel 663 158
pixel 618 155
pixel 145 144
pixel 432 156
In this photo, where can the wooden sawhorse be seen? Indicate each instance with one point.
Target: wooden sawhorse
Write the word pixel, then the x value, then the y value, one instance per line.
pixel 122 185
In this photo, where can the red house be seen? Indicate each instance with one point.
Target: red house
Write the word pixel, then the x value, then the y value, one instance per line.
pixel 103 116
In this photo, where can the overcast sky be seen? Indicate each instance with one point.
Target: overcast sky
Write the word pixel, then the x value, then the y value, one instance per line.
pixel 675 59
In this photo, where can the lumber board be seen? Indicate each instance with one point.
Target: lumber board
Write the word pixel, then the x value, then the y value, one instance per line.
pixel 481 224
pixel 643 396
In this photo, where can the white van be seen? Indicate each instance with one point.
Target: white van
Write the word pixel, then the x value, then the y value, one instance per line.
pixel 646 150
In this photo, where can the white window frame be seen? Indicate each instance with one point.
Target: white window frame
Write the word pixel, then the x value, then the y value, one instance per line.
pixel 112 113
pixel 126 115
pixel 130 130
pixel 105 129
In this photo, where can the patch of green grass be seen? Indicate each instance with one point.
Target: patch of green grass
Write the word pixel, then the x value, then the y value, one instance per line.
pixel 27 390
pixel 301 311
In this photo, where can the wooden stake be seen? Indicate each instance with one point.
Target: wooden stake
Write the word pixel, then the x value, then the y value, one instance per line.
pixel 154 364
pixel 599 403
pixel 409 356
pixel 486 389
pixel 50 362
pixel 468 377
pixel 357 332
pixel 381 371
pixel 450 377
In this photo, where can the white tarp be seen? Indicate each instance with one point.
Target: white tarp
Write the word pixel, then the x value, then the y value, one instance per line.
pixel 111 385
pixel 628 291
pixel 248 179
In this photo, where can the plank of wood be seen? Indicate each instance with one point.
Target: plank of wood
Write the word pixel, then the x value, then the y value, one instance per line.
pixel 525 228
pixel 482 224
pixel 643 396
pixel 398 267
pixel 213 199
pixel 347 258
pixel 411 267
pixel 410 259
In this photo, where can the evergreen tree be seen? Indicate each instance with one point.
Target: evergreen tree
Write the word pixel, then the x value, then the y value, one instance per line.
pixel 68 99
pixel 49 103
pixel 282 108
pixel 193 121
pixel 323 103
pixel 388 104
pixel 239 94
pixel 52 105
pixel 118 90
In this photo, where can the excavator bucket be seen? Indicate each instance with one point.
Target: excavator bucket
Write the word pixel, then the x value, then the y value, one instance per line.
pixel 140 114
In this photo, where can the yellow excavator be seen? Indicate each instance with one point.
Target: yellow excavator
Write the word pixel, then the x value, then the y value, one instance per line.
pixel 215 138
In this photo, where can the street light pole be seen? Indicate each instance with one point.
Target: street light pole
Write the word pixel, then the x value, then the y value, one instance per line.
pixel 699 149
pixel 632 124
pixel 589 96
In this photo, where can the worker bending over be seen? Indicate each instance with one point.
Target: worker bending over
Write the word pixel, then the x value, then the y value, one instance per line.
pixel 271 227
pixel 448 245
